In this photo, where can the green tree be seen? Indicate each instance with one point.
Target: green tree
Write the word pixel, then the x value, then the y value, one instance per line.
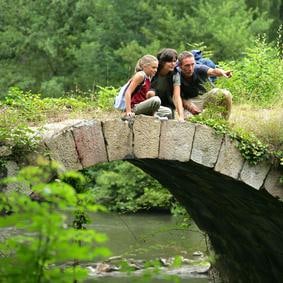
pixel 41 34
pixel 228 28
pixel 180 24
pixel 257 77
pixel 62 45
pixel 274 8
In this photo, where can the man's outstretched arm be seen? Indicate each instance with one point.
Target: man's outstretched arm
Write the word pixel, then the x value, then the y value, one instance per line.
pixel 217 72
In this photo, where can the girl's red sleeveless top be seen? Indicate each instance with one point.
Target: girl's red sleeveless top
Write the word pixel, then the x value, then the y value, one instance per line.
pixel 140 94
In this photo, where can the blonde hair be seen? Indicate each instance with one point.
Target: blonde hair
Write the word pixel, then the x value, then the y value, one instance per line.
pixel 145 61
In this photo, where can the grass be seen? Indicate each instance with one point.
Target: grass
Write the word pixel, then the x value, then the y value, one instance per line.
pixel 89 113
pixel 265 124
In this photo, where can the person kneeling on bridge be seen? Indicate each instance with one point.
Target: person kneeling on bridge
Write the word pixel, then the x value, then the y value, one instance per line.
pixel 139 98
pixel 194 94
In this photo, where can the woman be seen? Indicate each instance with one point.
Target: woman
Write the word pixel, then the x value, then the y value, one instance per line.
pixel 167 83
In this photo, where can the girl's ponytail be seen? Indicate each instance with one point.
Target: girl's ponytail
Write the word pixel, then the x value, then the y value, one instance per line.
pixel 144 61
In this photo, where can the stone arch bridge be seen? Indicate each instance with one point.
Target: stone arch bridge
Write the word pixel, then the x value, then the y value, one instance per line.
pixel 238 205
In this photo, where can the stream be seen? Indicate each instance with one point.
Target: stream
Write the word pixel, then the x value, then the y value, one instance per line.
pixel 144 237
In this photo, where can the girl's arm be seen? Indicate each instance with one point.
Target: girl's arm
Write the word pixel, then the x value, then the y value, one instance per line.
pixel 136 80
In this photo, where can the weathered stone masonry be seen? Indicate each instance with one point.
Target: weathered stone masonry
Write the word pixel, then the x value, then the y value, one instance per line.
pixel 80 144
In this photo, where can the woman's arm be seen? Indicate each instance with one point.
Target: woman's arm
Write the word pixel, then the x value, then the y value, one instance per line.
pixel 177 100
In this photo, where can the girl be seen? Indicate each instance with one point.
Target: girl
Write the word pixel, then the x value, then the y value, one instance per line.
pixel 139 98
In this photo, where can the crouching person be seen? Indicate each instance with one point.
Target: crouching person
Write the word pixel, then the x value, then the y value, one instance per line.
pixel 139 98
pixel 194 94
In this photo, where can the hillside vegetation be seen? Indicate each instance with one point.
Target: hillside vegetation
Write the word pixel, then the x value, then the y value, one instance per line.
pixel 52 47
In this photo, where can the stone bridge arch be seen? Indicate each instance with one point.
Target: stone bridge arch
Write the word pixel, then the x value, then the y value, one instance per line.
pixel 79 144
pixel 235 203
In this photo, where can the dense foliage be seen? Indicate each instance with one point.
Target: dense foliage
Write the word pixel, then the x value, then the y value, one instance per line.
pixel 123 187
pixel 40 238
pixel 257 77
pixel 56 46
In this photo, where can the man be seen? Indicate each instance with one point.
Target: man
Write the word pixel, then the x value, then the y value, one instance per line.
pixel 194 95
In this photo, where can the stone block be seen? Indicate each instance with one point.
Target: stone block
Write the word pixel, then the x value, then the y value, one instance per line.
pixel 176 140
pixel 272 184
pixel 49 130
pixel 12 170
pixel 90 143
pixel 5 151
pixel 254 175
pixel 146 136
pixel 61 145
pixel 230 161
pixel 118 139
pixel 41 151
pixel 206 146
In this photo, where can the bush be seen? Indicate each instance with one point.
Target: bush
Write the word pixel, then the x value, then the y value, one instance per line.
pixel 46 248
pixel 53 87
pixel 257 77
pixel 105 97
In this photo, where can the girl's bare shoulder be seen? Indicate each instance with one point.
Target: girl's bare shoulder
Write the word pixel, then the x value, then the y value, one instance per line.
pixel 139 76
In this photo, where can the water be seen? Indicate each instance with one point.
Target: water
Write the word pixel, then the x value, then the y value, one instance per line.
pixel 139 280
pixel 148 237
